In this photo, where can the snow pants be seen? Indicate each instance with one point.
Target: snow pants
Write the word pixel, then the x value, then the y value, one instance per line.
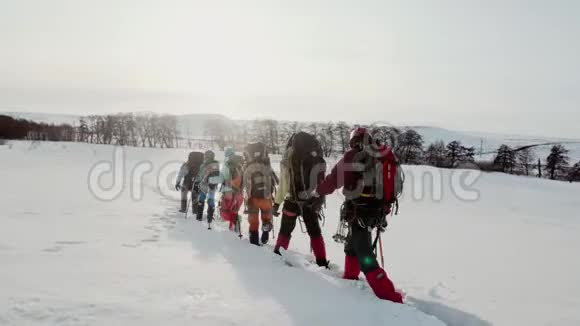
pixel 259 208
pixel 194 198
pixel 230 206
pixel 360 256
pixel 290 213
pixel 208 196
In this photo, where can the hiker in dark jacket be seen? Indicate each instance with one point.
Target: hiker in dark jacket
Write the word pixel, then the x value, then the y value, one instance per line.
pixel 303 155
pixel 185 180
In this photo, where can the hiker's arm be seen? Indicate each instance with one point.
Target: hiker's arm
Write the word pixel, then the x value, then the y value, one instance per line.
pixel 275 177
pixel 182 173
pixel 332 181
pixel 200 174
pixel 283 185
pixel 224 175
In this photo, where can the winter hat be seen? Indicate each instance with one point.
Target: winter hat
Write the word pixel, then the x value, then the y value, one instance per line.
pixel 229 152
pixel 209 156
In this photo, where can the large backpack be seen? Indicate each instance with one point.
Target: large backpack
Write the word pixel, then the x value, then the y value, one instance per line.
pixel 235 165
pixel 194 162
pixel 306 164
pixel 256 152
pixel 381 174
pixel 258 177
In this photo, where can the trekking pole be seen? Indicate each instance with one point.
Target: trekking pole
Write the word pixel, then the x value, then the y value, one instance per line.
pixel 381 249
pixel 187 208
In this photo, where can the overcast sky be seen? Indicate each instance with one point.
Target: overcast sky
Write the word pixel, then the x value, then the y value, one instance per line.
pixel 498 66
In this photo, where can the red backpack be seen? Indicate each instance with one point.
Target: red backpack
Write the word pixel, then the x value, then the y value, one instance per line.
pixel 382 175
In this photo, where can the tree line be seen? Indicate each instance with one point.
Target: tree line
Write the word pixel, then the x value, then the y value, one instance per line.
pixel 130 129
pixel 408 144
pixel 11 128
pixel 523 161
pixel 126 129
pixel 154 130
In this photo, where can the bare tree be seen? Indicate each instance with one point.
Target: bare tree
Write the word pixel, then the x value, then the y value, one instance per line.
pixel 436 154
pixel 327 138
pixel 342 131
pixel 314 129
pixel 526 157
pixel 410 146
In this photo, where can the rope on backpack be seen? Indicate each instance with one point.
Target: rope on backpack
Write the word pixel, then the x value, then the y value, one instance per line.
pixel 322 217
pixel 301 221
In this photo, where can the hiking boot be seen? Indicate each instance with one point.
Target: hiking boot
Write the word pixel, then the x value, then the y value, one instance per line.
pixel 282 242
pixel 210 211
pixel 382 286
pixel 265 237
pixel 254 238
pixel 319 250
pixel 322 262
pixel 200 207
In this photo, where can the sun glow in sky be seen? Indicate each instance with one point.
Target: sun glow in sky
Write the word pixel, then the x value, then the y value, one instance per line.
pixel 505 66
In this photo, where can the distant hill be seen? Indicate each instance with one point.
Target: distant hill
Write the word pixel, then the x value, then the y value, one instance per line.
pixel 193 125
pixel 489 142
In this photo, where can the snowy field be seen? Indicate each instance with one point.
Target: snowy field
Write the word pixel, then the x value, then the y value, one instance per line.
pixel 500 251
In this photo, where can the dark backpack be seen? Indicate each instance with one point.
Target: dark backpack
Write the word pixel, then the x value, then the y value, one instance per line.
pixel 306 164
pixel 194 162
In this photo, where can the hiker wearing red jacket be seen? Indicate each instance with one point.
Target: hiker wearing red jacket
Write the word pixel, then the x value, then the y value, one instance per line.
pixel 365 207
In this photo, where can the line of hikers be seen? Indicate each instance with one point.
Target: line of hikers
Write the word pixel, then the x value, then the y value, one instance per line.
pixel 368 173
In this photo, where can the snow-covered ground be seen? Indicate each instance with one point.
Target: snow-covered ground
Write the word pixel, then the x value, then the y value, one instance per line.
pixel 506 257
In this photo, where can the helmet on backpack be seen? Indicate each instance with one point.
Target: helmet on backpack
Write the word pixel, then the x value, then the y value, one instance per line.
pixel 209 156
pixel 256 152
pixel 195 158
pixel 229 152
pixel 360 137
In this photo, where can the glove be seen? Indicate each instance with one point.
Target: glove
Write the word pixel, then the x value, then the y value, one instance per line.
pixel 177 187
pixel 276 209
pixel 387 209
pixel 317 203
